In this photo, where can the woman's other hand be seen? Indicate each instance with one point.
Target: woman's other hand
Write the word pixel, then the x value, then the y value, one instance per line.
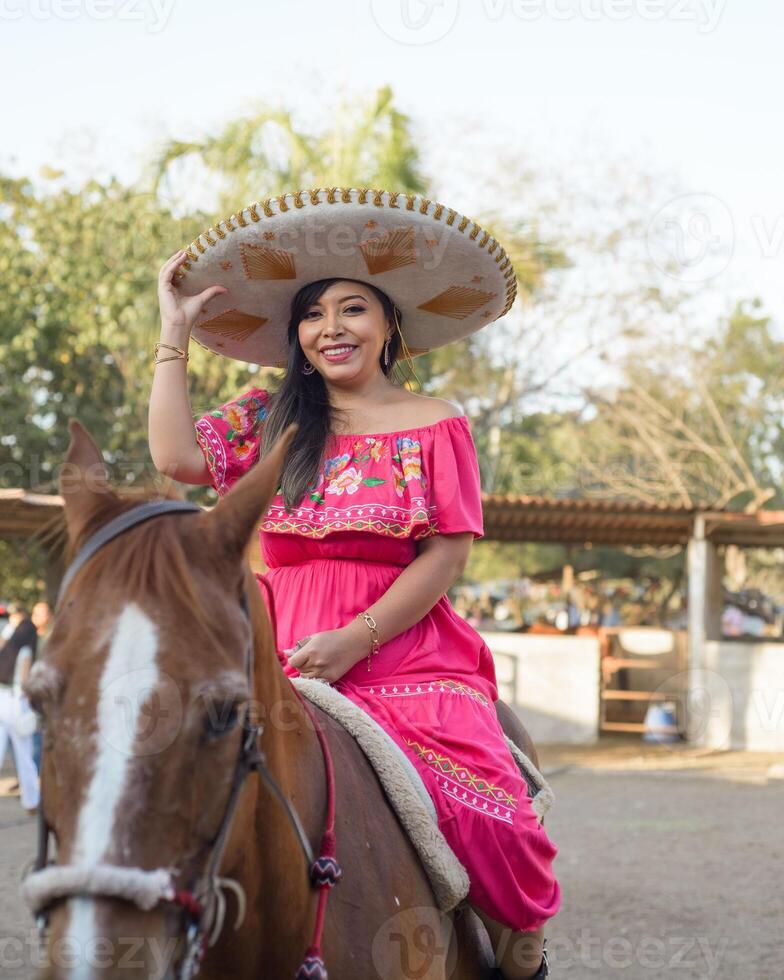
pixel 329 655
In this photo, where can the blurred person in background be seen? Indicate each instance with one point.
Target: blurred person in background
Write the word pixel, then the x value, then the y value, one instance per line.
pixel 17 720
pixel 42 620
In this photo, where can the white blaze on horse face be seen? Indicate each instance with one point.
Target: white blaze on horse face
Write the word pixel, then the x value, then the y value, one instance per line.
pixel 128 677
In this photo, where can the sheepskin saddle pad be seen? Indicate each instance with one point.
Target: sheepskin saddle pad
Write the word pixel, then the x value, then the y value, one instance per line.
pixel 406 792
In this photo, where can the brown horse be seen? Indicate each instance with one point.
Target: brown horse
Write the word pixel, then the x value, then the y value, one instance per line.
pixel 145 702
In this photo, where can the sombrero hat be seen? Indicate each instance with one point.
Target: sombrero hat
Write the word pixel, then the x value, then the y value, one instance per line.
pixel 447 276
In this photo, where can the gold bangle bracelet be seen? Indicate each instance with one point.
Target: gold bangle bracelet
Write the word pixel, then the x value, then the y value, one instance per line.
pixel 180 355
pixel 374 634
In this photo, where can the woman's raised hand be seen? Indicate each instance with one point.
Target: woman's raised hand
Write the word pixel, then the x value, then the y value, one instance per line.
pixel 178 312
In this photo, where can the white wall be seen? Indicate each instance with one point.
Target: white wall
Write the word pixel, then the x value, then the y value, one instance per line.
pixel 737 701
pixel 551 681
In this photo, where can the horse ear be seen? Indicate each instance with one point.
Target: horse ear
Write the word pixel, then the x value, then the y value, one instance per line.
pixel 84 479
pixel 236 515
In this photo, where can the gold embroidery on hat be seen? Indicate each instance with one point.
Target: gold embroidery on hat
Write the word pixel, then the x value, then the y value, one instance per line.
pixel 391 251
pixel 315 197
pixel 226 264
pixel 261 262
pixel 457 302
pixel 233 324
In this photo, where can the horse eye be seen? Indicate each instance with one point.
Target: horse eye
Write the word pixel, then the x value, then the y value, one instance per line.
pixel 220 720
pixel 36 704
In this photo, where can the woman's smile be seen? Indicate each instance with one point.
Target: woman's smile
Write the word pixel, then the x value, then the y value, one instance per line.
pixel 337 354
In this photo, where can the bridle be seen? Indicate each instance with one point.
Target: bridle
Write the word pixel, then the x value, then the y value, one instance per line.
pixel 203 904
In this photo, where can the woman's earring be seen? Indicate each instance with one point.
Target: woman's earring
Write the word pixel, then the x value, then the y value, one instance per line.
pixel 386 353
pixel 307 367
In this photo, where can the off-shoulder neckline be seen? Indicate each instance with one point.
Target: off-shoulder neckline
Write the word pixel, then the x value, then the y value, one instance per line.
pixel 397 432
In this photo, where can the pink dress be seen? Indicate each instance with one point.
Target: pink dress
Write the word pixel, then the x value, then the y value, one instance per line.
pixel 432 686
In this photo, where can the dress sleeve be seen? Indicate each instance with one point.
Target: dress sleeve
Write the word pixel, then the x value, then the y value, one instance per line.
pixel 230 437
pixel 452 468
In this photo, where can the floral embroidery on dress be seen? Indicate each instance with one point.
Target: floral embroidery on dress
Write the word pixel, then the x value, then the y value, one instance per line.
pixel 440 684
pixel 339 498
pixel 341 476
pixel 337 477
pixel 243 416
pixel 230 434
pixel 465 787
pixel 411 458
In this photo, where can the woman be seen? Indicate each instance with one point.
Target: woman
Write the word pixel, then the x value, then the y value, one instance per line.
pixel 17 720
pixel 379 500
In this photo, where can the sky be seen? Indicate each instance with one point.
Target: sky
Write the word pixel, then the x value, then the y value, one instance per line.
pixel 687 88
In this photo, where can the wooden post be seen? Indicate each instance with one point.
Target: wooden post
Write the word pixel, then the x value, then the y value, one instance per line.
pixel 704 621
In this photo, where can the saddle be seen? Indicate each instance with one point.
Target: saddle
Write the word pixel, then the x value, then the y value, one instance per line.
pixel 407 793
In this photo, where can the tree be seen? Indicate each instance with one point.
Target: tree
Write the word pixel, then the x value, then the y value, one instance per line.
pixel 694 427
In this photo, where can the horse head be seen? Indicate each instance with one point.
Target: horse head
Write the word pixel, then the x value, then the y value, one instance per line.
pixel 144 696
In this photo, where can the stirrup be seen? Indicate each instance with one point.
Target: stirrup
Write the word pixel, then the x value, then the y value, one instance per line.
pixel 544 966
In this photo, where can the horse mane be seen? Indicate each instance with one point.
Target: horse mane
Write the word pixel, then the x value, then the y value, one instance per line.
pixel 149 559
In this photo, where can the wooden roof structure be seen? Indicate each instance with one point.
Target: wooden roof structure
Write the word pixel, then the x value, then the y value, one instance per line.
pixel 596 521
pixel 557 520
pixel 22 513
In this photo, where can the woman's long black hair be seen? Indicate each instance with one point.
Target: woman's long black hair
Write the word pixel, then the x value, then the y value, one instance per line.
pixel 303 398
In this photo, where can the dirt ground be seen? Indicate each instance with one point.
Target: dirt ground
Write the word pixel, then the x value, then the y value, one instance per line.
pixel 670 862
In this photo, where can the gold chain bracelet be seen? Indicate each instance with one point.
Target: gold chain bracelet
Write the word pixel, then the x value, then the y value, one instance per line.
pixel 172 357
pixel 374 634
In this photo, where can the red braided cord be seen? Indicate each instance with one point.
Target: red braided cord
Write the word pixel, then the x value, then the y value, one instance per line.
pixel 189 902
pixel 328 840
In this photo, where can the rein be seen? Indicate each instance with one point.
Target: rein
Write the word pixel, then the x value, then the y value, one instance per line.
pixel 204 904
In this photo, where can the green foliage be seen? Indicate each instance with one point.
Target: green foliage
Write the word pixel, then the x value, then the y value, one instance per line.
pixel 79 314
